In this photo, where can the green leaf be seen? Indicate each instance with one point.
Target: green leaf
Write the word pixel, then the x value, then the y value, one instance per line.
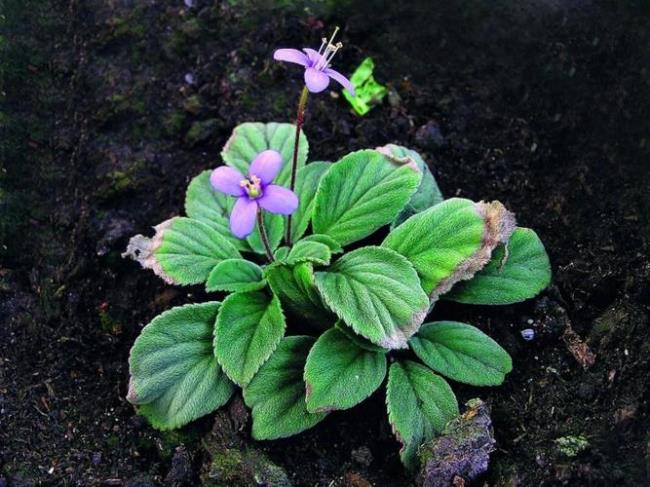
pixel 212 207
pixel 361 193
pixel 175 378
pixel 428 193
pixel 315 252
pixel 274 229
pixel 276 394
pixel 249 327
pixel 420 403
pixel 183 251
pixel 307 179
pixel 249 139
pixel 521 274
pixel 451 241
pixel 339 374
pixel 368 92
pixel 235 275
pixel 358 339
pixel 281 253
pixel 295 288
pixel 334 246
pixel 462 353
pixel 377 292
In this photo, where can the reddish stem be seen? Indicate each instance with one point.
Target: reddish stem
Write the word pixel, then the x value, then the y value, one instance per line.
pixel 300 118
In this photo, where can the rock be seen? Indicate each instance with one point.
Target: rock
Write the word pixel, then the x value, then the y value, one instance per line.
pixel 362 456
pixel 96 458
pixel 180 472
pixel 193 105
pixel 429 136
pixel 140 481
pixel 232 466
pixel 231 461
pixel 355 479
pixel 461 452
pixel 114 231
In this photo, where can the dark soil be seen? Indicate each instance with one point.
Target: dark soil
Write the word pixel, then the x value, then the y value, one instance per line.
pixel 541 104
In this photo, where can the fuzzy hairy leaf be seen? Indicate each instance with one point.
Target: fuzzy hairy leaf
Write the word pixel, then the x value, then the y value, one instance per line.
pixel 462 353
pixel 175 378
pixel 182 251
pixel 296 289
pixel 235 275
pixel 420 403
pixel 339 374
pixel 451 241
pixel 428 193
pixel 521 274
pixel 250 138
pixel 249 327
pixel 307 179
pixel 377 292
pixel 281 253
pixel 315 252
pixel 334 246
pixel 358 339
pixel 276 394
pixel 361 193
pixel 274 225
pixel 204 203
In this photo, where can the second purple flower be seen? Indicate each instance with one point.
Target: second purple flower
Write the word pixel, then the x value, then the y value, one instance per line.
pixel 254 191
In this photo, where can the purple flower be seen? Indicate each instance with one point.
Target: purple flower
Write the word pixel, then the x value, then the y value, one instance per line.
pixel 254 192
pixel 317 65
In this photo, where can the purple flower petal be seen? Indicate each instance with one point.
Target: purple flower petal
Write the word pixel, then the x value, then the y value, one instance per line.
pixel 291 56
pixel 315 80
pixel 313 56
pixel 242 218
pixel 266 165
pixel 277 199
pixel 339 78
pixel 226 179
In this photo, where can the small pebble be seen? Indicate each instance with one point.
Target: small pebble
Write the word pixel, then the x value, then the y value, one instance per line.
pixel 189 3
pixel 97 458
pixel 528 334
pixel 189 78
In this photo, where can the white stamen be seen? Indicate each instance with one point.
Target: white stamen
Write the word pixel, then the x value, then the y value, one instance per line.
pixel 328 52
pixel 322 45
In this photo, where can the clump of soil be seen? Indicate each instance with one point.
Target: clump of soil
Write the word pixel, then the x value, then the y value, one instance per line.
pixel 113 106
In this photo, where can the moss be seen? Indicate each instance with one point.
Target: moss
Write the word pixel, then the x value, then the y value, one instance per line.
pixel 112 441
pixel 570 446
pixel 191 28
pixel 201 131
pixel 127 27
pixel 108 324
pixel 175 123
pixel 236 467
pixel 193 104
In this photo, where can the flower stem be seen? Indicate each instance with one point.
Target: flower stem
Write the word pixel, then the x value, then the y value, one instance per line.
pixel 265 238
pixel 300 118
